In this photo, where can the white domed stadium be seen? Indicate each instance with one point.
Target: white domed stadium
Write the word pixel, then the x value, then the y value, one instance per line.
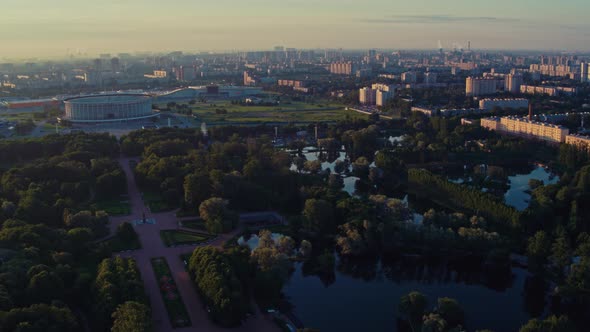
pixel 108 108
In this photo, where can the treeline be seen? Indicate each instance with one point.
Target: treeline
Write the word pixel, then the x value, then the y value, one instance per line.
pixel 448 315
pixel 51 145
pixel 219 285
pixel 117 281
pixel 559 241
pixel 230 280
pixel 248 172
pixel 48 253
pixel 500 216
pixel 392 229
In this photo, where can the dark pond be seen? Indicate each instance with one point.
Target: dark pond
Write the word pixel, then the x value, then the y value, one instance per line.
pixel 517 189
pixel 364 297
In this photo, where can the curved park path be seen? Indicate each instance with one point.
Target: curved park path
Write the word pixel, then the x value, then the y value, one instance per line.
pixel 152 246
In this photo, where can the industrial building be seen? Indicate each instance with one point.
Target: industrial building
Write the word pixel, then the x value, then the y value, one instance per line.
pixel 210 92
pixel 108 108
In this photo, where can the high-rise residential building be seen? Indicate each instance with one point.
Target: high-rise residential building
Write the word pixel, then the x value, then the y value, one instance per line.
pixel 115 65
pixel 377 94
pixel 480 86
pixel 249 80
pixel 512 83
pixel 185 73
pixel 585 72
pixel 384 93
pixel 367 96
pixel 341 68
pixel 553 70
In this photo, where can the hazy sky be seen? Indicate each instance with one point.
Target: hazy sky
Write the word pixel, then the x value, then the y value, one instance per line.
pixel 36 28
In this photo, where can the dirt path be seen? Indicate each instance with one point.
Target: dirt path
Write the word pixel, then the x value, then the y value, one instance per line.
pixel 152 246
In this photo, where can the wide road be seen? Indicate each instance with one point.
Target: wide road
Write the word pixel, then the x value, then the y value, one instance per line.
pixel 152 246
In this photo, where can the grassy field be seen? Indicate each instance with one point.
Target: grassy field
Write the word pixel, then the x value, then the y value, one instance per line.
pixel 156 203
pixel 114 207
pixel 298 112
pixel 196 224
pixel 177 312
pixel 174 237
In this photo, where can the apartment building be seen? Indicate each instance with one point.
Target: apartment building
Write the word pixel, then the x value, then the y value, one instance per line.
pixel 480 86
pixel 341 68
pixel 580 141
pixel 548 90
pixel 526 128
pixel 490 103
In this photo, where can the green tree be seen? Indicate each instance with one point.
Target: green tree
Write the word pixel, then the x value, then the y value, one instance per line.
pixel 318 216
pixel 413 306
pixel 218 218
pixel 538 248
pixel 434 323
pixel 197 188
pixel 39 317
pixel 132 317
pixel 451 311
pixel 561 253
pixel 551 324
pixel 305 248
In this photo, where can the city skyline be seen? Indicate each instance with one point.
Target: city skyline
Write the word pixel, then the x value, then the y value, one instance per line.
pixel 33 28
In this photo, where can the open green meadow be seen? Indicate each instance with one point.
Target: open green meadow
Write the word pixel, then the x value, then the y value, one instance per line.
pixel 224 112
pixel 174 237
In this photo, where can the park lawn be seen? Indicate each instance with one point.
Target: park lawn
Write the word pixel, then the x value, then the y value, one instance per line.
pixel 118 245
pixel 286 116
pixel 48 127
pixel 177 312
pixel 114 207
pixel 156 202
pixel 295 111
pixel 172 237
pixel 196 224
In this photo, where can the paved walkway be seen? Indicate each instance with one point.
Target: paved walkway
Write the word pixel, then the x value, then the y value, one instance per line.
pixel 152 246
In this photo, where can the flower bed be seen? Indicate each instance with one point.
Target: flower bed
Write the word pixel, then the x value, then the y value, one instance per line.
pixel 177 312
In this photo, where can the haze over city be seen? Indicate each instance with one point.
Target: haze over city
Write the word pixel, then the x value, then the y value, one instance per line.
pixel 33 28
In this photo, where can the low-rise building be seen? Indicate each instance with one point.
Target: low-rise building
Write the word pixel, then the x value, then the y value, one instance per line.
pixel 548 90
pixel 580 141
pixel 490 103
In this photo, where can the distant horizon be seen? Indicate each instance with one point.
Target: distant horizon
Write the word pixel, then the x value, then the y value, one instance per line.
pixel 115 53
pixel 41 29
